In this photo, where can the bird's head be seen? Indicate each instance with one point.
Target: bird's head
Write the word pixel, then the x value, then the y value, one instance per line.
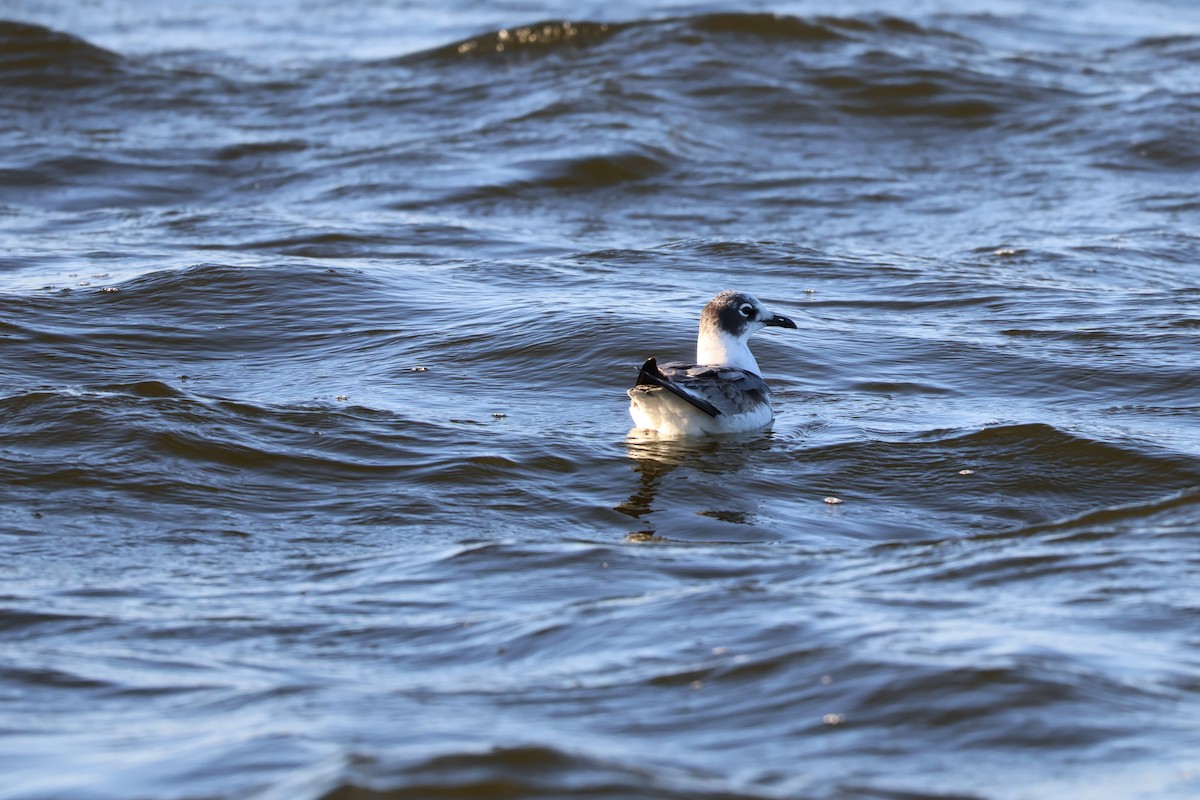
pixel 739 314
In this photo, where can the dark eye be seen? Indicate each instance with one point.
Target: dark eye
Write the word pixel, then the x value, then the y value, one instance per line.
pixel 746 311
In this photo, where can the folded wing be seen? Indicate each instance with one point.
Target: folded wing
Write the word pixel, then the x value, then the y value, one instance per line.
pixel 715 390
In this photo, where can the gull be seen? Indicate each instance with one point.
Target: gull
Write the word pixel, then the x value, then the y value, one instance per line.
pixel 723 392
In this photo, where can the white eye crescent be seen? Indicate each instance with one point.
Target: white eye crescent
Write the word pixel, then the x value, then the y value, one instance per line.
pixel 746 310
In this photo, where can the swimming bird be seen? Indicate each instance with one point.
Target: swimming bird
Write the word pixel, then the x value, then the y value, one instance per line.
pixel 723 392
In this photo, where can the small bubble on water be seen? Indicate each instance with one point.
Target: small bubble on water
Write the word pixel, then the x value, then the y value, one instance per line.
pixel 833 501
pixel 833 719
pixel 966 472
pixel 341 398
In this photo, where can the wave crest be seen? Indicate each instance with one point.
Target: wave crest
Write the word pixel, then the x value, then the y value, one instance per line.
pixel 39 57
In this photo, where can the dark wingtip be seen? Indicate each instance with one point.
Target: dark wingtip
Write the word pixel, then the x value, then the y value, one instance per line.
pixel 649 375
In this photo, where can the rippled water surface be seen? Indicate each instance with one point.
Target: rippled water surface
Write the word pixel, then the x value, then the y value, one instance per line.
pixel 316 321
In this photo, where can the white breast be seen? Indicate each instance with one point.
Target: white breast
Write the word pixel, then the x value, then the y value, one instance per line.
pixel 718 347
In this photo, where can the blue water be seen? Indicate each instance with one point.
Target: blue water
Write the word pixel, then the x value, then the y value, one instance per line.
pixel 316 325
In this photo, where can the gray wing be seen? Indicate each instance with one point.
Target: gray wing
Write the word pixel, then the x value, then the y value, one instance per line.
pixel 730 390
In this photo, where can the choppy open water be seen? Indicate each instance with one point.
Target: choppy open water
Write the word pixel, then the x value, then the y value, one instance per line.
pixel 315 327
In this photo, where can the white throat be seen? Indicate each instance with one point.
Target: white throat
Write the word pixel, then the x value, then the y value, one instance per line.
pixel 717 348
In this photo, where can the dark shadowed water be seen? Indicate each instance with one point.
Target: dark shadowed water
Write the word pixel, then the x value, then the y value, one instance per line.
pixel 315 325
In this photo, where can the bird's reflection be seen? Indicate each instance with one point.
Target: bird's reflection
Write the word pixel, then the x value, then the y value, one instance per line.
pixel 655 458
